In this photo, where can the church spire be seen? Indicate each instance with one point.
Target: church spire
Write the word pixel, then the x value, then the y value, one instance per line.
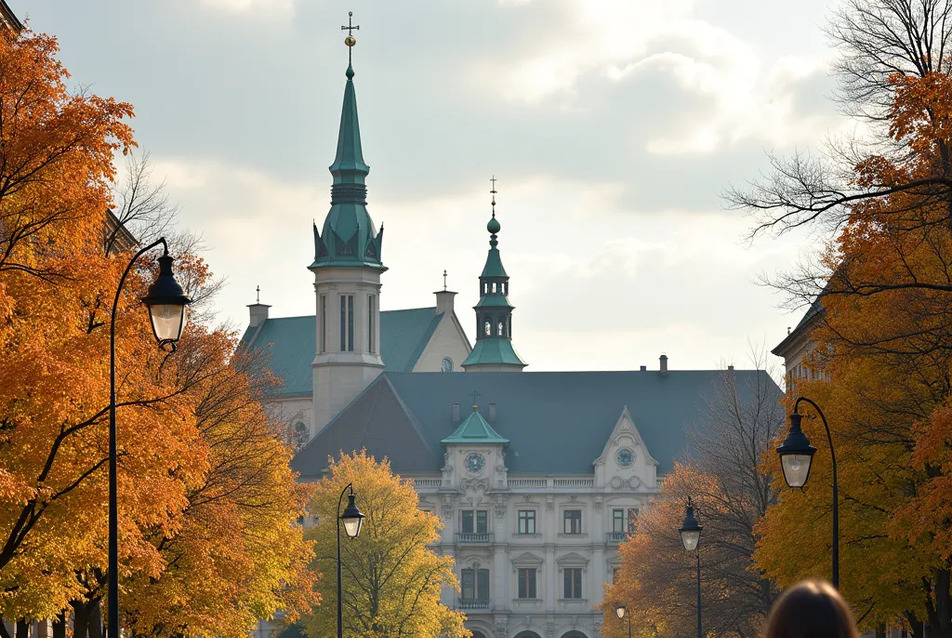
pixel 493 351
pixel 348 237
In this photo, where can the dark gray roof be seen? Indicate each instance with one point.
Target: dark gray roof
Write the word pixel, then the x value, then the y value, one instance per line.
pixel 557 422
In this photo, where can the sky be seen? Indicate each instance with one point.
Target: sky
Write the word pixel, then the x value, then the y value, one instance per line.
pixel 613 128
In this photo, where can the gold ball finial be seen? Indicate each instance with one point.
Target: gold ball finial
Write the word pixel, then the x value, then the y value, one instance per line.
pixel 350 40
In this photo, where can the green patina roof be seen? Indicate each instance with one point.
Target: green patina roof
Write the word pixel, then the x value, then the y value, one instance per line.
pixel 493 351
pixel 474 429
pixel 493 300
pixel 556 422
pixel 494 267
pixel 292 341
pixel 348 237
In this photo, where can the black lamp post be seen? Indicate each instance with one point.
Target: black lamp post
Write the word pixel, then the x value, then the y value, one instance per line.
pixel 690 532
pixel 796 456
pixel 621 611
pixel 166 302
pixel 353 520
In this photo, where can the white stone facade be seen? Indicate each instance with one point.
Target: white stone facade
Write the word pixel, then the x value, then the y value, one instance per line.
pixel 532 552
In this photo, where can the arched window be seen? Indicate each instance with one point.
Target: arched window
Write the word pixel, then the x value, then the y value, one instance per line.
pixel 573 634
pixel 494 287
pixel 488 328
pixel 500 327
pixel 478 634
pixel 527 634
pixel 446 365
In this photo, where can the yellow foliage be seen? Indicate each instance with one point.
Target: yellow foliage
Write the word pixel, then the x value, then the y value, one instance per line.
pixel 391 580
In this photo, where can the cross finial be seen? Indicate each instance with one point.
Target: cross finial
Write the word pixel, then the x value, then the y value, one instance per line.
pixel 258 294
pixel 493 191
pixel 444 281
pixel 350 40
pixel 475 396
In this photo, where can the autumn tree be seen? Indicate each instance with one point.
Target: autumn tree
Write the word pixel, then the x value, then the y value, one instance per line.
pixel 392 580
pixel 656 577
pixel 195 453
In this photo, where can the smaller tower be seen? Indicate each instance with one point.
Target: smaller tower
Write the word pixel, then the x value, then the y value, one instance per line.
pixel 493 351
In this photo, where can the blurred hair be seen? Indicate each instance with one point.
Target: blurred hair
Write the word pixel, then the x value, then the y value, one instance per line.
pixel 811 609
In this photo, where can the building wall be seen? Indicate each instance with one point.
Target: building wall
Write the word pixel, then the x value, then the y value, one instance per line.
pixel 447 341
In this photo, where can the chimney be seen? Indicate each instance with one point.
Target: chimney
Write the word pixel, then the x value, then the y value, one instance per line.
pixel 643 368
pixel 444 301
pixel 730 367
pixel 257 310
pixel 259 314
pixel 444 298
pixel 664 362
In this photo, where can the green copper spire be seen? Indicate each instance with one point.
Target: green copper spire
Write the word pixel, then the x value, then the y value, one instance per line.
pixel 348 237
pixel 493 350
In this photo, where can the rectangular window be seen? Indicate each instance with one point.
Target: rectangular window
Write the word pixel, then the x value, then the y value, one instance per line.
pixel 371 326
pixel 322 326
pixel 350 323
pixel 346 323
pixel 572 577
pixel 572 522
pixel 527 582
pixel 474 521
pixel 474 583
pixel 618 521
pixel 527 522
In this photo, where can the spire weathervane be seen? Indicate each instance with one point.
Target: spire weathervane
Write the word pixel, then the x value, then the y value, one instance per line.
pixel 258 293
pixel 444 281
pixel 350 40
pixel 475 396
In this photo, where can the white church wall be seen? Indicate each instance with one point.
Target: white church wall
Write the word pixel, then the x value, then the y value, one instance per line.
pixel 447 341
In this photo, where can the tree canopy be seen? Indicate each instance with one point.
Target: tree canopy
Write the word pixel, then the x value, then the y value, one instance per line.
pixel 392 580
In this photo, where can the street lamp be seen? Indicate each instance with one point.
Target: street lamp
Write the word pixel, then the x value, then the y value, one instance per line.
pixel 621 611
pixel 166 302
pixel 353 520
pixel 796 456
pixel 690 532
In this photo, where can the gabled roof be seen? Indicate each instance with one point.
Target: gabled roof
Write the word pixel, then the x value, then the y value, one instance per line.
pixel 292 343
pixel 556 422
pixel 474 429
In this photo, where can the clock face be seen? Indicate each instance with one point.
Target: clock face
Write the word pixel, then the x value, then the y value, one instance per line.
pixel 475 462
pixel 625 457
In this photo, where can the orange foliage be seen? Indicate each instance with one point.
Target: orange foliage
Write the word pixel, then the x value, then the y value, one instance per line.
pixel 205 493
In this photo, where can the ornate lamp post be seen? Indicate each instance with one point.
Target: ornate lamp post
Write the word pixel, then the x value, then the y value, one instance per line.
pixel 166 302
pixel 690 532
pixel 796 456
pixel 353 520
pixel 621 611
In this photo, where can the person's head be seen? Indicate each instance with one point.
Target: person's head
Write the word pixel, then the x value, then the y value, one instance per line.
pixel 811 609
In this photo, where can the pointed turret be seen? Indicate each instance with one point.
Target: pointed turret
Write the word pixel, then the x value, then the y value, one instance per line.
pixel 493 351
pixel 348 237
pixel 347 270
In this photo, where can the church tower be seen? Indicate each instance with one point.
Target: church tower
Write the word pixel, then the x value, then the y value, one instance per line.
pixel 347 270
pixel 493 351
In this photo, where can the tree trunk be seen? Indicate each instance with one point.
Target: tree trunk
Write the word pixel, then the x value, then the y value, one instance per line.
pixel 4 633
pixel 916 626
pixel 80 619
pixel 23 629
pixel 59 626
pixel 941 623
pixel 95 619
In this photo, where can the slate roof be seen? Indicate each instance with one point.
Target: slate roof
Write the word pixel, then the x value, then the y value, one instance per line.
pixel 292 342
pixel 557 422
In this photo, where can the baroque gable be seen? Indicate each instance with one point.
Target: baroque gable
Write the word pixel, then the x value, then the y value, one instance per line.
pixel 625 462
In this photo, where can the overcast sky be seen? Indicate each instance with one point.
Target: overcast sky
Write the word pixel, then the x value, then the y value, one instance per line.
pixel 613 127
